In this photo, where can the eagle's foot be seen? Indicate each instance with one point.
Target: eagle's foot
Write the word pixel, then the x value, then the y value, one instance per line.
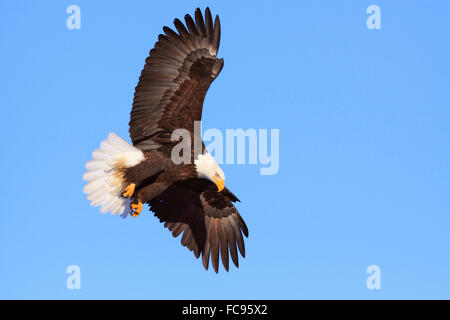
pixel 137 208
pixel 129 190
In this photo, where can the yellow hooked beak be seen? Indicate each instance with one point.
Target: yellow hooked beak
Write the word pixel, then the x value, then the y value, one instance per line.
pixel 219 183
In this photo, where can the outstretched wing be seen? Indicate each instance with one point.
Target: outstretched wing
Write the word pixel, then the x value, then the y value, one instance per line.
pixel 174 81
pixel 210 223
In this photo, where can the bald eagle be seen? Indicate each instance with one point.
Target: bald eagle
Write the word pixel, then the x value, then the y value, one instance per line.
pixel 189 198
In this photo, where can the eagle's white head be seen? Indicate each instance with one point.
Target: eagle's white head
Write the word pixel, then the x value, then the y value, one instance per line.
pixel 208 168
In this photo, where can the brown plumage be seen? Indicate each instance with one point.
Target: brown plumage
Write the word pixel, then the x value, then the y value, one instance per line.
pixel 169 96
pixel 189 198
pixel 174 81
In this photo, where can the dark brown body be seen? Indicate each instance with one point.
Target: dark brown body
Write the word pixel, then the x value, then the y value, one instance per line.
pixel 155 174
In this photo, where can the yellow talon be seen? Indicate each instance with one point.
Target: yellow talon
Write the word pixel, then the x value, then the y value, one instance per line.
pixel 129 190
pixel 137 208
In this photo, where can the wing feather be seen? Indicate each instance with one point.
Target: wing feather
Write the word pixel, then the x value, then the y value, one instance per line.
pixel 223 244
pixel 200 23
pixel 209 24
pixel 191 25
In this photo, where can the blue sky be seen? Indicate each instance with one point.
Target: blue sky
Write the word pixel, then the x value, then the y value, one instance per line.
pixel 364 150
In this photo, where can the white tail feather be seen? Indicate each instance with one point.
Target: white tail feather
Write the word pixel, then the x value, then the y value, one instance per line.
pixel 104 174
